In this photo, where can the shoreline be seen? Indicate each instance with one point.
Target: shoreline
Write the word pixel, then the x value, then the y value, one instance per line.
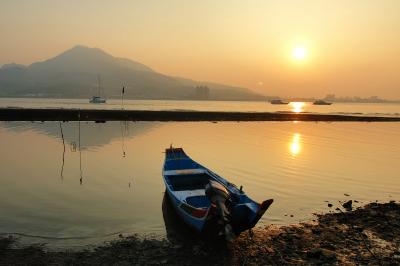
pixel 366 235
pixel 58 114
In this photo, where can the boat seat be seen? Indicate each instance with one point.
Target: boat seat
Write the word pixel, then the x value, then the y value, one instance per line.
pixel 182 195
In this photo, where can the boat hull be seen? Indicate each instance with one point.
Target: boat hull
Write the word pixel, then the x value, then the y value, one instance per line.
pixel 195 224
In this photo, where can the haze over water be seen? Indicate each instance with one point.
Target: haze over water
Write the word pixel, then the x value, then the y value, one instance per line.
pixel 369 109
pixel 299 164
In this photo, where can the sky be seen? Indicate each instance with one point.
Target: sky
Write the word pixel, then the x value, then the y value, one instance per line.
pixel 293 48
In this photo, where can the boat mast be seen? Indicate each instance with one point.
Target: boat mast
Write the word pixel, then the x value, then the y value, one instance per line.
pixel 98 85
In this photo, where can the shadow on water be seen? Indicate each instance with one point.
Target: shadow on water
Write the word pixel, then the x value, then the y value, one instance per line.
pixel 79 136
pixel 179 232
pixel 63 155
pixel 94 134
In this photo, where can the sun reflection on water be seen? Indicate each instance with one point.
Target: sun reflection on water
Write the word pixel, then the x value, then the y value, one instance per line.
pixel 297 107
pixel 295 144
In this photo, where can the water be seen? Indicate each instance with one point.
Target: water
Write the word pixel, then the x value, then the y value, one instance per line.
pixel 114 185
pixel 381 109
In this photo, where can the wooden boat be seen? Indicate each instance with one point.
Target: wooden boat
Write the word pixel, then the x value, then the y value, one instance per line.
pixel 204 200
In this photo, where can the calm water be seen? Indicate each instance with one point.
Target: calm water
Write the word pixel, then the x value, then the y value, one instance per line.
pixel 336 108
pixel 114 185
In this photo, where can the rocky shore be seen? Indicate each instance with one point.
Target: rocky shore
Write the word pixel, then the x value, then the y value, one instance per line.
pixel 366 236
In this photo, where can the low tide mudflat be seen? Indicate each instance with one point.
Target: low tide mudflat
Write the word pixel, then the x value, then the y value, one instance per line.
pixel 366 236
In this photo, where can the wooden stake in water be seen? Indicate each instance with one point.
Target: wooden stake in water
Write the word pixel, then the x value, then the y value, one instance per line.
pixel 122 98
pixel 123 137
pixel 63 157
pixel 79 147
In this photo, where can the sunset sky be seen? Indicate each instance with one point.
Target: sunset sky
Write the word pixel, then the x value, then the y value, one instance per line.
pixel 287 48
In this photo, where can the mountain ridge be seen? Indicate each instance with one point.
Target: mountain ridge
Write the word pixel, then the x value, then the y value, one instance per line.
pixel 73 74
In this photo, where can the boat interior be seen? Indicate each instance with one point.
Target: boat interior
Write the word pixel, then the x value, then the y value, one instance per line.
pixel 190 188
pixel 188 182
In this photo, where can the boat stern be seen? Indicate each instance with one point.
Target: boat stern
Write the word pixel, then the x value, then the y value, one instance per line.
pixel 246 216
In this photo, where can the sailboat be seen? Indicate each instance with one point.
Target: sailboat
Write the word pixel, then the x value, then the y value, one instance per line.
pixel 98 99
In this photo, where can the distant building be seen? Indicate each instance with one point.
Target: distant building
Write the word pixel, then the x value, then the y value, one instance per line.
pixel 202 92
pixel 330 97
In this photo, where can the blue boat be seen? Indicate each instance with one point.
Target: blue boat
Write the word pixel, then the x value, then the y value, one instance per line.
pixel 204 200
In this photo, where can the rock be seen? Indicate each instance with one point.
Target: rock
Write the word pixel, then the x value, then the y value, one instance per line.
pixel 321 253
pixel 328 254
pixel 330 205
pixel 177 247
pixel 196 250
pixel 316 231
pixel 289 230
pixel 314 253
pixel 269 250
pixel 328 246
pixel 348 205
pixel 346 194
pixel 358 228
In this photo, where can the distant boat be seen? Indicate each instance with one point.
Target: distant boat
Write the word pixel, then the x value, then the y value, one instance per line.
pixel 321 102
pixel 204 200
pixel 278 102
pixel 98 99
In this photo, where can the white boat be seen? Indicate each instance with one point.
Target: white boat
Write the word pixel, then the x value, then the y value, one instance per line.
pixel 98 99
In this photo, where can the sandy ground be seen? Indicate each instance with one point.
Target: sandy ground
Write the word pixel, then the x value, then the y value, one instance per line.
pixel 366 236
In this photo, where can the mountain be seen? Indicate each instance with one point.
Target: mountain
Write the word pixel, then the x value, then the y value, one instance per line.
pixel 73 74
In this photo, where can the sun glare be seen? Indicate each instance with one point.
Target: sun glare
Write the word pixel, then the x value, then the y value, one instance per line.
pixel 299 53
pixel 297 107
pixel 295 145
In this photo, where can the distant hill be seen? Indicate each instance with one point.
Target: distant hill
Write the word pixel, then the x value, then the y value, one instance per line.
pixel 73 74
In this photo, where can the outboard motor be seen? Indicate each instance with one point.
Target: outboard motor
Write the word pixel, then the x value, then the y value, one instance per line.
pixel 218 195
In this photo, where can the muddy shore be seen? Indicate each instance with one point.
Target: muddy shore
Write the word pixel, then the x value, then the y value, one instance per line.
pixel 57 114
pixel 368 236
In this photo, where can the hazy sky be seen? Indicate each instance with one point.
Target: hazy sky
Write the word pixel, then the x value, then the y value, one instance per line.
pixel 349 47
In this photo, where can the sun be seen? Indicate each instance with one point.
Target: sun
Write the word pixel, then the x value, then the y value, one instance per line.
pixel 299 52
